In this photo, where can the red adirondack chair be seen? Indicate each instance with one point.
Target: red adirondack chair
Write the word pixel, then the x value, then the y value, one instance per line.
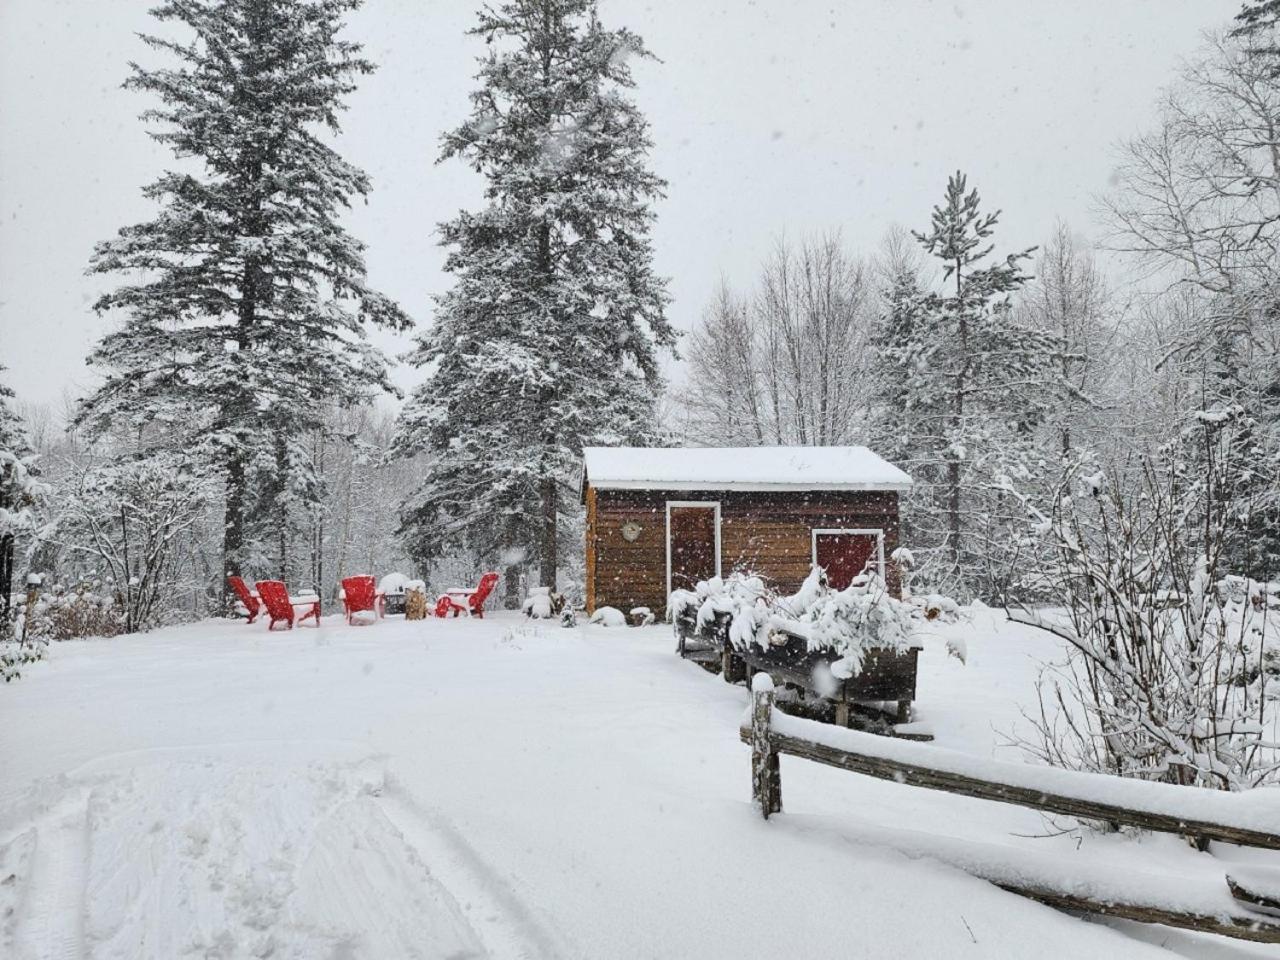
pixel 280 606
pixel 248 599
pixel 359 594
pixel 469 602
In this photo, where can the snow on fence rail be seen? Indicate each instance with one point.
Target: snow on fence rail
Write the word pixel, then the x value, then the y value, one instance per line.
pixel 1250 819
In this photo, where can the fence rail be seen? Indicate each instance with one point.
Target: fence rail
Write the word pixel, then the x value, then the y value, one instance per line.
pixel 769 743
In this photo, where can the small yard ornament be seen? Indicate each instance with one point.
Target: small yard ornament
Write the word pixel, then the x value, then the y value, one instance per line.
pixel 631 531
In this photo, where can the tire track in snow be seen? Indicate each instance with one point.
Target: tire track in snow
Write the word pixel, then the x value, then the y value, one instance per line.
pixel 52 920
pixel 502 921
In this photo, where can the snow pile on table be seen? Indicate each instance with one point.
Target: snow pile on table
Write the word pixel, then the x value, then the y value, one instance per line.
pixel 846 623
pixel 538 604
pixel 394 584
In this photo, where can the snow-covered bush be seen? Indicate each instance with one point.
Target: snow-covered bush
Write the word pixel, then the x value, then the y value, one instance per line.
pixel 845 623
pixel 642 616
pixel 608 617
pixel 90 608
pixel 538 604
pixel 1168 654
pixel 742 597
pixel 682 604
pixel 16 653
pixel 849 622
pixel 134 520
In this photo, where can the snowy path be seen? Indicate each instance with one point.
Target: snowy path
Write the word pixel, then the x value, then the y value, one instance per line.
pixel 484 790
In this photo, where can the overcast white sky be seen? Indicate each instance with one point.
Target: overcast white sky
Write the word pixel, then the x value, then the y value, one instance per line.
pixel 776 115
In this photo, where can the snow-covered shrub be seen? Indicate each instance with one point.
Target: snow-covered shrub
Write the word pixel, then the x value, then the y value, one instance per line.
pixel 538 604
pixel 608 617
pixel 846 623
pixel 16 653
pixel 905 561
pixel 1166 674
pixel 90 608
pixel 742 597
pixel 935 606
pixel 642 616
pixel 681 604
pixel 134 521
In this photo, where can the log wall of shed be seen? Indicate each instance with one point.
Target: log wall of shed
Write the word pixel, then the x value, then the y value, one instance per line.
pixel 770 534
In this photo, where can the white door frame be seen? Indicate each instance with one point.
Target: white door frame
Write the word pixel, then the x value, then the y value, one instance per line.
pixel 877 532
pixel 705 504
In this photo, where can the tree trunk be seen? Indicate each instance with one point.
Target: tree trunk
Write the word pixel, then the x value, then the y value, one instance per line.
pixel 233 525
pixel 954 526
pixel 6 577
pixel 511 587
pixel 550 523
pixel 953 511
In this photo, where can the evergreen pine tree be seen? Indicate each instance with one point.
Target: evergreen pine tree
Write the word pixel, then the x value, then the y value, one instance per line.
pixel 548 338
pixel 247 303
pixel 1259 20
pixel 19 493
pixel 968 386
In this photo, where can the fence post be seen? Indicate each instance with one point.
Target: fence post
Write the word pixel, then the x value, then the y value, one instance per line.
pixel 732 666
pixel 766 775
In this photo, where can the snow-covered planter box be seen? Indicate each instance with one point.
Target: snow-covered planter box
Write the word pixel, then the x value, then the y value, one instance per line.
pixel 847 646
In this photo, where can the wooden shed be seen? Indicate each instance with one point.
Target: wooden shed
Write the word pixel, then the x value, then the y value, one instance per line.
pixel 660 519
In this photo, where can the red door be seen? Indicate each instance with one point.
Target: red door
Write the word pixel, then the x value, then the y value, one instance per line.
pixel 845 555
pixel 693 546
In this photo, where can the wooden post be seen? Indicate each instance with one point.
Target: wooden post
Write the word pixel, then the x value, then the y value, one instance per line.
pixel 34 582
pixel 904 711
pixel 842 713
pixel 732 666
pixel 766 775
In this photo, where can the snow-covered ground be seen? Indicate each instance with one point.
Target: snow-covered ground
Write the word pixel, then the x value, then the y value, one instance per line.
pixel 455 789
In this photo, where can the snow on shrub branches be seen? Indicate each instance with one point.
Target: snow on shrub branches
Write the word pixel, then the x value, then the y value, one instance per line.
pixel 847 623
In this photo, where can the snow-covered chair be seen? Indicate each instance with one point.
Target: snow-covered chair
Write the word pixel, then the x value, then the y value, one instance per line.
pixel 458 600
pixel 282 607
pixel 360 594
pixel 246 599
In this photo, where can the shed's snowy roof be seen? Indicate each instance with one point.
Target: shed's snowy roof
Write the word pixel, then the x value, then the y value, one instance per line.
pixel 741 468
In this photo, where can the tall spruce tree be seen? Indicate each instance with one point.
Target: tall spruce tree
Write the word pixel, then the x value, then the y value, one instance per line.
pixel 20 492
pixel 246 309
pixel 548 338
pixel 1259 20
pixel 970 384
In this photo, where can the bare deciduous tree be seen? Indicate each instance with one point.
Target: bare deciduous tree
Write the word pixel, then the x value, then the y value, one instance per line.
pixel 785 364
pixel 1169 652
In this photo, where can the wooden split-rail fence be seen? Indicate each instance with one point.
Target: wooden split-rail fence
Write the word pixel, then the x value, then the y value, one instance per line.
pixel 768 744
